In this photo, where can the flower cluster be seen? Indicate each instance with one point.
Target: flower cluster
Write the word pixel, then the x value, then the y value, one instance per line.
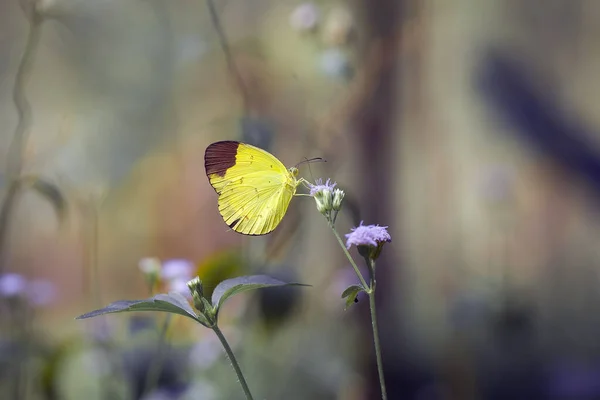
pixel 369 239
pixel 328 198
pixel 37 292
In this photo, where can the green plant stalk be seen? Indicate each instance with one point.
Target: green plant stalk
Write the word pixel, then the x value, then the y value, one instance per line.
pixel 360 277
pixel 234 362
pixel 376 334
pixel 157 364
pixel 370 289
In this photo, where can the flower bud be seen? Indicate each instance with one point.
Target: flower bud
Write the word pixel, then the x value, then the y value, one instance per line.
pixel 195 286
pixel 338 197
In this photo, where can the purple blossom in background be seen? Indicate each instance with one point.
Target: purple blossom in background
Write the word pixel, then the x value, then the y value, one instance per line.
pixel 305 17
pixel 180 286
pixel 367 235
pixel 177 270
pixel 12 285
pixel 320 186
pixel 41 292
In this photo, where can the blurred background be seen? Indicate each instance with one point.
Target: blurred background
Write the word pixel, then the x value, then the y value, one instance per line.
pixel 469 128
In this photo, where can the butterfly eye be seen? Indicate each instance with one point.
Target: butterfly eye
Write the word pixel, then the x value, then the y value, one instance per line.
pixel 294 171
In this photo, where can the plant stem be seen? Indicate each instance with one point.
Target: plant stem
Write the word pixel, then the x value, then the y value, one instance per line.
pixel 339 239
pixel 370 289
pixel 233 70
pixel 376 338
pixel 234 362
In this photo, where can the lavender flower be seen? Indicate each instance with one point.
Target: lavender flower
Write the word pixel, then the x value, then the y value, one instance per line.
pixel 305 17
pixel 319 186
pixel 323 195
pixel 177 270
pixel 180 286
pixel 41 292
pixel 12 285
pixel 369 239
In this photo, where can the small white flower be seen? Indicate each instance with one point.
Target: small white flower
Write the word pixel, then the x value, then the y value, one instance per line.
pixel 150 266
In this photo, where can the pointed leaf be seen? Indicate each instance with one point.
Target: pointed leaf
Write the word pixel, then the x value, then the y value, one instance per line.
pixel 173 303
pixel 230 287
pixel 351 294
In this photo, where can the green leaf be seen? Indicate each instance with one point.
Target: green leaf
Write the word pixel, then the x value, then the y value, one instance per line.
pixel 351 294
pixel 231 287
pixel 173 303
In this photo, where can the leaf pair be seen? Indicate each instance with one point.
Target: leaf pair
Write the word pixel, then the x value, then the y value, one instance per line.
pixel 176 303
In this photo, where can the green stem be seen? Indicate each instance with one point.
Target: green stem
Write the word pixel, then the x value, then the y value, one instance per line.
pixel 234 362
pixel 376 339
pixel 370 289
pixel 339 239
pixel 156 367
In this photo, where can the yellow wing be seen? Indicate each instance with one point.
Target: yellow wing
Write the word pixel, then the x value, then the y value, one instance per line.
pixel 254 187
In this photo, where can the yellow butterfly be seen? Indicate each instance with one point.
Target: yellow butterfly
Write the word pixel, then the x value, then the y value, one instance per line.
pixel 254 187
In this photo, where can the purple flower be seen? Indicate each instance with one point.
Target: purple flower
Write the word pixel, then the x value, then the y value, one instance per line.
pixel 41 292
pixel 367 235
pixel 12 285
pixel 369 239
pixel 305 17
pixel 177 270
pixel 319 186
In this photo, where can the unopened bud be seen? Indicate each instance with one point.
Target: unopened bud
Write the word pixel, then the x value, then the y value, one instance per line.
pixel 195 286
pixel 338 197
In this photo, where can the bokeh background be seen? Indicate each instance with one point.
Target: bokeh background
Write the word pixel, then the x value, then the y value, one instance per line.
pixel 469 128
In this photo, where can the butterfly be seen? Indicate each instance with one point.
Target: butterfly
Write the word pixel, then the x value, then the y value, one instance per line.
pixel 254 187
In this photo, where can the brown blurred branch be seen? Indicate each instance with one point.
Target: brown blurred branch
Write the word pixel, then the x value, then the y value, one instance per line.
pixel 233 69
pixel 17 146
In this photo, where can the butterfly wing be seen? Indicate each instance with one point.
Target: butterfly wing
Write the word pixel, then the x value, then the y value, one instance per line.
pixel 254 187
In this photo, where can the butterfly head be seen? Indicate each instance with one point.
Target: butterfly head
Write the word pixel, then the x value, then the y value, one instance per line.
pixel 293 171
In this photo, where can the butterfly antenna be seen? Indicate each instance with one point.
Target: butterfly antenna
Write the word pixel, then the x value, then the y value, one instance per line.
pixel 310 160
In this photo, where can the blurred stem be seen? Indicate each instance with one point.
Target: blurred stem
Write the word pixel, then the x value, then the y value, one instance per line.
pixel 234 362
pixel 360 277
pixel 156 367
pixel 214 16
pixel 376 332
pixel 17 146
